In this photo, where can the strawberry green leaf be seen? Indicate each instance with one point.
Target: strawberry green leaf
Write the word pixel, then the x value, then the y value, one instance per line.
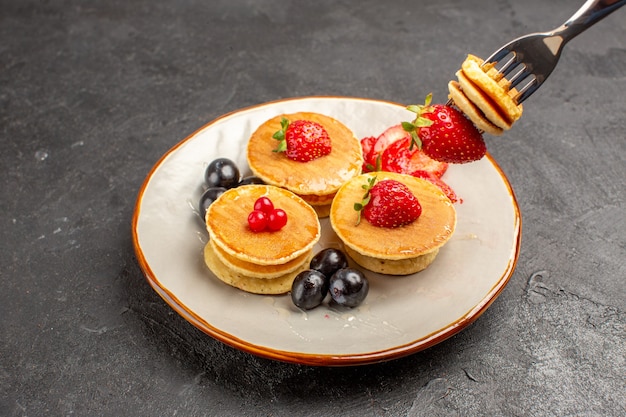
pixel 379 163
pixel 415 141
pixel 429 99
pixel 378 166
pixel 408 126
pixel 419 121
pixel 359 206
pixel 282 146
pixel 415 108
pixel 422 122
pixel 280 135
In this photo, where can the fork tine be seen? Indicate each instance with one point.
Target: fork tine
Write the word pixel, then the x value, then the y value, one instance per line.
pixel 535 55
pixel 519 76
pixel 527 90
pixel 498 55
pixel 505 66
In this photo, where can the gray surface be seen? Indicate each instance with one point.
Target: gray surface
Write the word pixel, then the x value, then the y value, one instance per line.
pixel 93 93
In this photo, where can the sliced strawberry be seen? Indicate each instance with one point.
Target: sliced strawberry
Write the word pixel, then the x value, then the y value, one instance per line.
pixel 367 144
pixel 389 136
pixel 373 149
pixel 369 159
pixel 391 204
pixel 400 157
pixel 447 190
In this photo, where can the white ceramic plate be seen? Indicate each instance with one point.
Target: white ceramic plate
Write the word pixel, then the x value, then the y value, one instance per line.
pixel 401 315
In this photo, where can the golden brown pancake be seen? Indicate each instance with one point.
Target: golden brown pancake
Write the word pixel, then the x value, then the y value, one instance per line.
pixel 318 200
pixel 395 267
pixel 401 250
pixel 320 203
pixel 471 110
pixel 482 101
pixel 252 270
pixel 497 90
pixel 316 179
pixel 227 224
pixel 278 285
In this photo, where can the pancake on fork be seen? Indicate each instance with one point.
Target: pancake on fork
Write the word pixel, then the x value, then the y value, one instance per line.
pixel 259 262
pixel 316 181
pixel 471 110
pixel 485 96
pixel 394 251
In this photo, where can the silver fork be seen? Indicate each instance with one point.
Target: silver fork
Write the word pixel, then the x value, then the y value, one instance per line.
pixel 527 61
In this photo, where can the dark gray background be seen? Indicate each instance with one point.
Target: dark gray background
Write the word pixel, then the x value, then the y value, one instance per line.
pixel 92 93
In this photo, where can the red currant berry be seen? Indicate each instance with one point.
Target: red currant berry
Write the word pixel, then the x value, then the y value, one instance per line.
pixel 277 219
pixel 264 204
pixel 257 220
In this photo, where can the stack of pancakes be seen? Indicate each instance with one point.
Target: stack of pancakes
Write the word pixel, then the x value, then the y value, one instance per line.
pixel 316 181
pixel 259 262
pixel 394 251
pixel 485 96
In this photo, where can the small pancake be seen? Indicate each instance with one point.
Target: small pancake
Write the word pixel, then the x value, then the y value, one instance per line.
pixel 428 233
pixel 259 271
pixel 318 200
pixel 393 267
pixel 319 177
pixel 321 204
pixel 279 285
pixel 322 210
pixel 471 67
pixel 471 111
pixel 227 224
pixel 484 102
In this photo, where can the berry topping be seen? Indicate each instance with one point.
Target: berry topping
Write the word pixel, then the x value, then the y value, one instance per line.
pixel 257 220
pixel 388 203
pixel 277 219
pixel 309 289
pixel 348 287
pixel 264 204
pixel 302 140
pixel 444 133
pixel 265 217
pixel 222 172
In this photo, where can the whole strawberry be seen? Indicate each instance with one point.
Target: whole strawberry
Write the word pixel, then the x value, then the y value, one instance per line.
pixel 389 203
pixel 445 134
pixel 302 140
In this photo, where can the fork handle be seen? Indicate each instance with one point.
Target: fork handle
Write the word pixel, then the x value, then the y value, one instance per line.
pixel 590 13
